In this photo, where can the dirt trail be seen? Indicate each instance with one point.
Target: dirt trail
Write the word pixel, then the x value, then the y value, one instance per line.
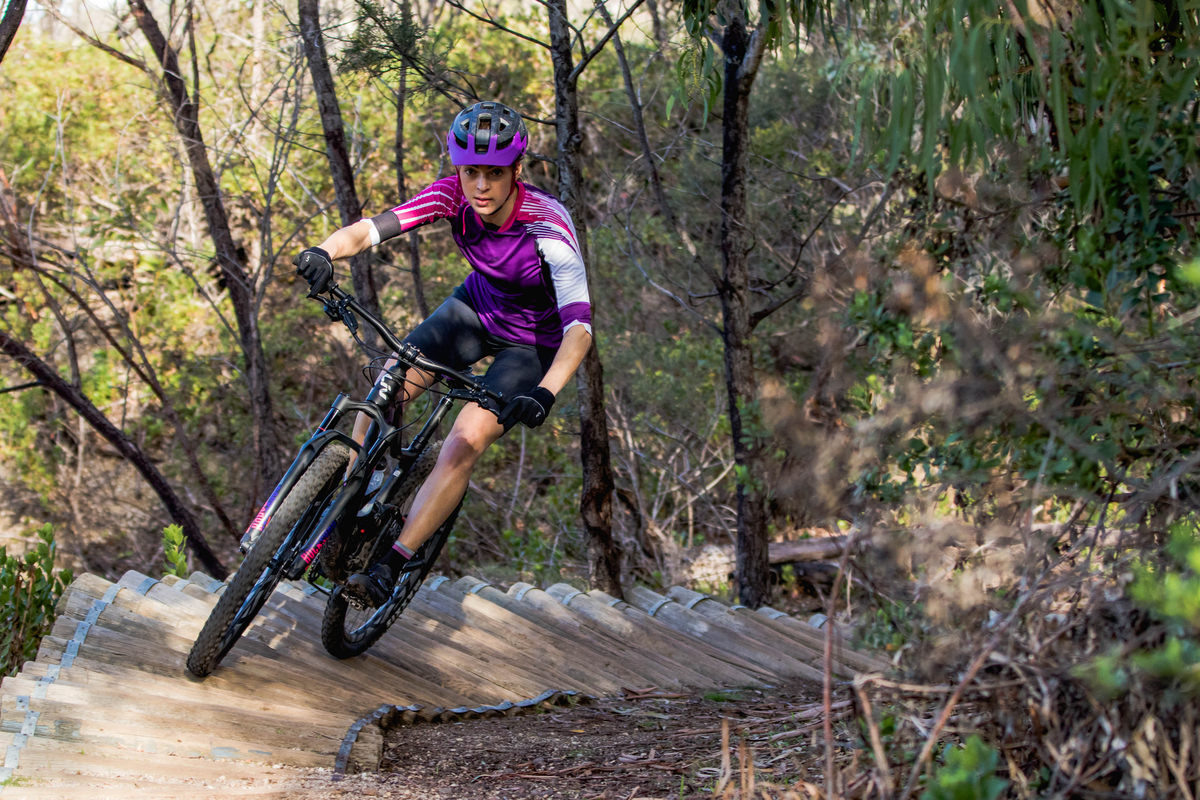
pixel 615 749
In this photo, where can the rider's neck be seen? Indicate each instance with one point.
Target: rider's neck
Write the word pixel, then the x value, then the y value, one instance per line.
pixel 504 211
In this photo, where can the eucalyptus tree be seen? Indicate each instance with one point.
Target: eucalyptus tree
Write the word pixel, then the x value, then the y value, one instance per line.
pixel 10 21
pixel 1072 130
pixel 743 39
pixel 604 558
pixel 184 106
pixel 340 168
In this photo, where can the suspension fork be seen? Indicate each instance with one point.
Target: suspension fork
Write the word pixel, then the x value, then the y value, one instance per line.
pixel 307 455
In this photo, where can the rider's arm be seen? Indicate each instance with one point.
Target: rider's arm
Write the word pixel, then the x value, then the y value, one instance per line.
pixel 574 347
pixel 440 200
pixel 348 241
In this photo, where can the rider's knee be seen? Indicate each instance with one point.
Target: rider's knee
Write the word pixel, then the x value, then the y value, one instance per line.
pixel 463 447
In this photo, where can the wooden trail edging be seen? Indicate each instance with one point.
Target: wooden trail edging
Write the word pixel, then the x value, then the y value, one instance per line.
pixel 108 710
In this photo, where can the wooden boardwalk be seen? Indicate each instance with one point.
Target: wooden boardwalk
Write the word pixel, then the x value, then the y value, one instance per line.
pixel 108 710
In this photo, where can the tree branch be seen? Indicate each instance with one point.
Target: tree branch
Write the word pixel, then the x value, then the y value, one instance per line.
pixel 9 24
pixel 494 24
pixel 754 56
pixel 763 313
pixel 131 452
pixel 99 45
pixel 595 51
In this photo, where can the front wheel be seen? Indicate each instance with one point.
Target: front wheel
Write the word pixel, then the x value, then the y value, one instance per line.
pixel 258 575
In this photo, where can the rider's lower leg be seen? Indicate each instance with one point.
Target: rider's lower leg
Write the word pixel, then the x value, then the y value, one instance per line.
pixel 473 432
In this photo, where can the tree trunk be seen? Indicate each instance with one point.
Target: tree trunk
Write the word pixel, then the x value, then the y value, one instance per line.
pixel 9 23
pixel 595 505
pixel 241 290
pixel 145 370
pixel 78 401
pixel 639 121
pixel 414 246
pixel 339 158
pixel 659 37
pixel 753 564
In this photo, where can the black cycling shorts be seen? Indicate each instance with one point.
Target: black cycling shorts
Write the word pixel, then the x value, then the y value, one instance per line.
pixel 454 335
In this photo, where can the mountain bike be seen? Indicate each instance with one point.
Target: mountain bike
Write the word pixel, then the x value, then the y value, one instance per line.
pixel 320 520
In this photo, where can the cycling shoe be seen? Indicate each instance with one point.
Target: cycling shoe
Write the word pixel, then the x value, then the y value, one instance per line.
pixel 373 587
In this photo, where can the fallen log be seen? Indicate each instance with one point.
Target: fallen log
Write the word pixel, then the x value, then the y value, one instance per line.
pixel 715 563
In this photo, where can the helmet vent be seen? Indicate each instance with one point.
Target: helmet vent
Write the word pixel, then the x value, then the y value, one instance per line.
pixel 480 133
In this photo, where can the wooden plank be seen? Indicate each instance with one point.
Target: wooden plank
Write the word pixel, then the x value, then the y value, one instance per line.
pixel 147 698
pixel 304 671
pixel 138 689
pixel 486 646
pixel 260 725
pixel 652 636
pixel 806 634
pixel 598 672
pixel 624 634
pixel 105 761
pixel 85 727
pixel 693 624
pixel 658 627
pixel 61 786
pixel 750 625
pixel 529 647
pixel 438 680
pixel 588 645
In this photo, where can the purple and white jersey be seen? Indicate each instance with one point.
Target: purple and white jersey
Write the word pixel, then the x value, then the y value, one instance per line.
pixel 528 284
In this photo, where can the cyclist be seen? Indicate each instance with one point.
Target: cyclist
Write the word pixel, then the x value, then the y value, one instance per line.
pixel 525 302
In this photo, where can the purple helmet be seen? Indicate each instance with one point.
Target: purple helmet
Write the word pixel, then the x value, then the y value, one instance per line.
pixel 487 133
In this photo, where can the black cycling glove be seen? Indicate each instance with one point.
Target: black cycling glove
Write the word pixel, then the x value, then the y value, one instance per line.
pixel 315 266
pixel 531 408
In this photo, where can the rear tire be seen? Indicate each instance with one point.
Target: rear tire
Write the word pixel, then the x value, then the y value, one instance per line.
pixel 347 632
pixel 255 579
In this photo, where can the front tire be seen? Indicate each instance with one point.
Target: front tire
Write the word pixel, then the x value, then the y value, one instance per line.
pixel 256 578
pixel 346 631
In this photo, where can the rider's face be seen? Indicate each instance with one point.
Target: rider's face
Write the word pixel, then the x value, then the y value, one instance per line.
pixel 487 187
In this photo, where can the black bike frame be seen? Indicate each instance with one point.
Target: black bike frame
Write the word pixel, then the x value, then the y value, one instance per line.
pixel 343 307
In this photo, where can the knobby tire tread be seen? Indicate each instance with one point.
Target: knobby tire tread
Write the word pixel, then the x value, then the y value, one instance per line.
pixel 206 652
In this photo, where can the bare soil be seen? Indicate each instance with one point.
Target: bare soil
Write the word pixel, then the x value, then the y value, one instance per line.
pixel 648 744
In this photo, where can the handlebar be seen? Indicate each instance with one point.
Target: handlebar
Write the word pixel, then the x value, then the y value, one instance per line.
pixel 405 353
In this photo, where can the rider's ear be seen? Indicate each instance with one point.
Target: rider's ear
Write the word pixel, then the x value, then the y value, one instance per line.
pixel 517 170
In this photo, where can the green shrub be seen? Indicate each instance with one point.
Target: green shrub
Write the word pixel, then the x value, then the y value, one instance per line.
pixel 29 590
pixel 967 773
pixel 175 560
pixel 1169 589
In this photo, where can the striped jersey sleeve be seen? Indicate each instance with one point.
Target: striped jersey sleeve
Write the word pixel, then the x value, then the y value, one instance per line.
pixel 440 200
pixel 551 225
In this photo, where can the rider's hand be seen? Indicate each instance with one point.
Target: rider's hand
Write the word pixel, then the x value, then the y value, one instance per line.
pixel 530 408
pixel 315 266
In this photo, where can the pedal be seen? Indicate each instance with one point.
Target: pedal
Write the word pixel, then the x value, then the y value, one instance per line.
pixel 355 597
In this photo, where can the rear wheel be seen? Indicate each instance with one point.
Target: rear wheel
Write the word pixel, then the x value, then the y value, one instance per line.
pixel 258 575
pixel 348 631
